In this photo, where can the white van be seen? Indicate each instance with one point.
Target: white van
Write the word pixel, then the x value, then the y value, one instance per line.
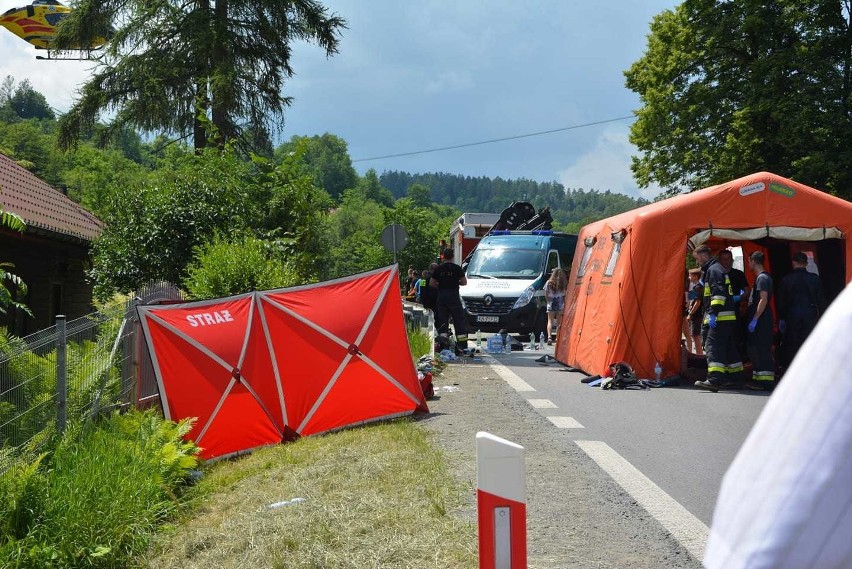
pixel 506 276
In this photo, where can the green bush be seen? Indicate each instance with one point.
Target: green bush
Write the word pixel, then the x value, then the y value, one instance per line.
pixel 97 499
pixel 226 267
pixel 418 343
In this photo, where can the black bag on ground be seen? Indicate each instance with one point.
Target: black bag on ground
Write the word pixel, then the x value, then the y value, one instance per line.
pixel 623 376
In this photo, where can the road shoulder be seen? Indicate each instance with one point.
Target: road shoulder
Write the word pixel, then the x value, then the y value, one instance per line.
pixel 576 515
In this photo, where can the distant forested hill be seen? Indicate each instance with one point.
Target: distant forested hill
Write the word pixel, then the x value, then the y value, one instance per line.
pixel 482 194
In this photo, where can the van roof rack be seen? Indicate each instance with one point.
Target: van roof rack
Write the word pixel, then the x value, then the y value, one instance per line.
pixel 519 216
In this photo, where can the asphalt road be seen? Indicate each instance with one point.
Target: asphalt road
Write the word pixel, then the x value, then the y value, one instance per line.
pixel 681 438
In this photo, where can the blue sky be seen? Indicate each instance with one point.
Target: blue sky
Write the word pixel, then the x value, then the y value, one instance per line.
pixel 420 75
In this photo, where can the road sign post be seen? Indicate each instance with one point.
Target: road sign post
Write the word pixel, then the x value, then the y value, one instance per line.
pixel 394 238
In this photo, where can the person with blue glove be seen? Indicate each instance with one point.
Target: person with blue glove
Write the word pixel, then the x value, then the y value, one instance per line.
pixel 724 362
pixel 711 320
pixel 759 341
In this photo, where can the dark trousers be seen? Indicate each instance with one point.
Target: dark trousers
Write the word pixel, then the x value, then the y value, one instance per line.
pixel 760 351
pixel 447 308
pixel 799 327
pixel 724 364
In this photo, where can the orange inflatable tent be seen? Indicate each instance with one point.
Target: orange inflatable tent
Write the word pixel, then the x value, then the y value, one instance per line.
pixel 626 290
pixel 263 367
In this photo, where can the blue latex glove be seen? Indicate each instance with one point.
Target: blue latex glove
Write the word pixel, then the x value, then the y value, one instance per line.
pixel 752 325
pixel 782 326
pixel 738 297
pixel 711 320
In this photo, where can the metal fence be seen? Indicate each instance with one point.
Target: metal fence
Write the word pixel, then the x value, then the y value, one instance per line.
pixel 73 371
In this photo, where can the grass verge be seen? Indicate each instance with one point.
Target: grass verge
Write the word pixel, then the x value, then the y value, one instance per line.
pixel 375 496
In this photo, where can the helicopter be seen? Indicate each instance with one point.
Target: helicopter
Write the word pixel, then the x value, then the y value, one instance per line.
pixel 36 24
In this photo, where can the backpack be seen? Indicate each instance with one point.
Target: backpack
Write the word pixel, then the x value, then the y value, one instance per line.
pixel 428 296
pixel 623 377
pixel 442 343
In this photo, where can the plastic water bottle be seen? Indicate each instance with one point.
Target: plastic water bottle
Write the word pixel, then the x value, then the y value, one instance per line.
pixel 478 341
pixel 507 344
pixel 658 371
pixel 541 341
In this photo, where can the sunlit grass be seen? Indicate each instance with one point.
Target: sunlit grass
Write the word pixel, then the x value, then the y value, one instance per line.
pixel 375 496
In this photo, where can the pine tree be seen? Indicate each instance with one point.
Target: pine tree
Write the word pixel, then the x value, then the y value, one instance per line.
pixel 209 69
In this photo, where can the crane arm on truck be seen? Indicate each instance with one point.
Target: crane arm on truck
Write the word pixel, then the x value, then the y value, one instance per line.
pixel 518 216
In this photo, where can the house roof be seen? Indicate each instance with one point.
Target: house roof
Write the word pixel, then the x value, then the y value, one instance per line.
pixel 41 206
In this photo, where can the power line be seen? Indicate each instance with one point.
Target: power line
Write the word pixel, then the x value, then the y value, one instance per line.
pixel 493 140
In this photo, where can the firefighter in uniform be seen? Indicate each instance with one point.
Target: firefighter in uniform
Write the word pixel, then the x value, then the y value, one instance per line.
pixel 447 278
pixel 760 326
pixel 724 363
pixel 800 302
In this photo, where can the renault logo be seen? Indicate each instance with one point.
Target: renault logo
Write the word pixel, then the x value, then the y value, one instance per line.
pixel 488 300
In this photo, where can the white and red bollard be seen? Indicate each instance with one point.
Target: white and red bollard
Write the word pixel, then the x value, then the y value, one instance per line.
pixel 501 499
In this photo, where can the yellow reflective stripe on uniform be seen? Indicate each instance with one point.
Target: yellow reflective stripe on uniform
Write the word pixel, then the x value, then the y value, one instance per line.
pixel 764 375
pixel 725 318
pixel 719 368
pixel 707 290
pixel 726 313
pixel 717 303
pixel 734 368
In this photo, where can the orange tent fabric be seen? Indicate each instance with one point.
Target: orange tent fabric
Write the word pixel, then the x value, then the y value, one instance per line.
pixel 626 288
pixel 259 368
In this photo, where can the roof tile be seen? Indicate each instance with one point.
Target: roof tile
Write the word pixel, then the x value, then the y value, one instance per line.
pixel 42 206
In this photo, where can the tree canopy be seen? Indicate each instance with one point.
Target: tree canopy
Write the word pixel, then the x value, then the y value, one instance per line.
pixel 326 159
pixel 221 220
pixel 731 88
pixel 209 69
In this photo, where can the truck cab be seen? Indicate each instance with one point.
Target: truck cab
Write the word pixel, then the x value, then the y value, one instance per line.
pixel 467 230
pixel 506 277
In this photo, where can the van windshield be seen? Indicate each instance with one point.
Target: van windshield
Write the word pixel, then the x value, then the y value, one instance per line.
pixel 499 263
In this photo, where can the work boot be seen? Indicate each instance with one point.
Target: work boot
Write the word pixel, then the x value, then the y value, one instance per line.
pixel 461 347
pixel 707 385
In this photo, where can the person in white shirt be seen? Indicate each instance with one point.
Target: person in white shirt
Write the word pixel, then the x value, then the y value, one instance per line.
pixel 786 500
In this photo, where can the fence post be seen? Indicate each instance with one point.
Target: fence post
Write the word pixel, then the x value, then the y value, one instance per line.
pixel 61 374
pixel 131 347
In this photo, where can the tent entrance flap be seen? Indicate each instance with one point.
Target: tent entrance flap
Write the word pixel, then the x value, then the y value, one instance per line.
pixel 778 232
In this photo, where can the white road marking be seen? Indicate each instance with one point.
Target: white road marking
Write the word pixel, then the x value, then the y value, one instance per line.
pixel 542 403
pixel 566 422
pixel 510 377
pixel 685 527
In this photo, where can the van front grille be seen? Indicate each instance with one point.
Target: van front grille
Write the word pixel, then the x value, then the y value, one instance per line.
pixel 498 305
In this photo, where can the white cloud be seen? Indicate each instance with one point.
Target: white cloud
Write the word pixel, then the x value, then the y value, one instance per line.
pixel 607 167
pixel 58 81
